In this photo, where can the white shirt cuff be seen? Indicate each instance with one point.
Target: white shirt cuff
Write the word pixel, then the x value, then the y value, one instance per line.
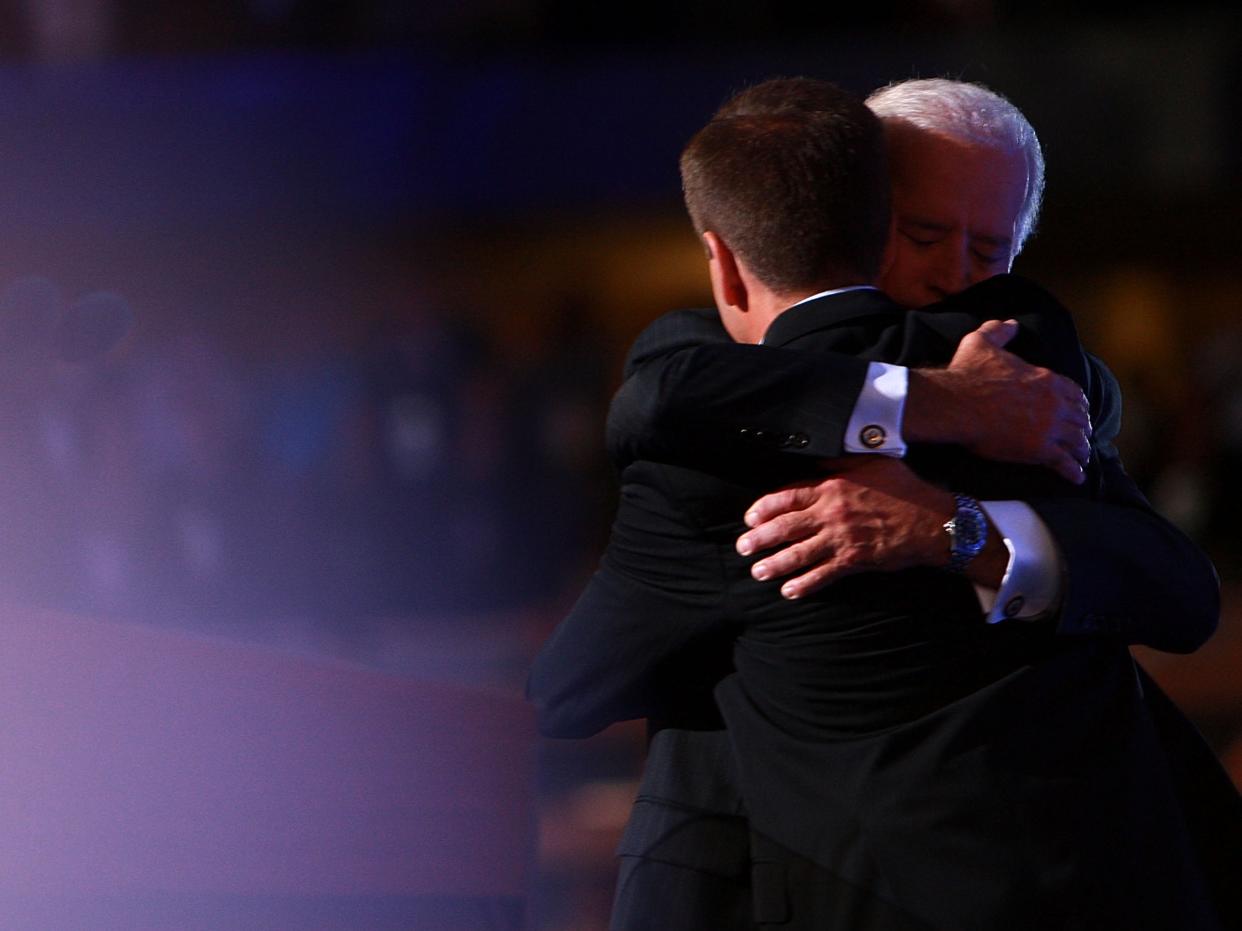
pixel 1031 587
pixel 875 426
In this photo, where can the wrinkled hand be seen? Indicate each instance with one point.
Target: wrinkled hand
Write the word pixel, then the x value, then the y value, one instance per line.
pixel 874 514
pixel 1000 407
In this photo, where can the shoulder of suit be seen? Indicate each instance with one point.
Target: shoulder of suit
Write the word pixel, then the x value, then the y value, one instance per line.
pixel 831 312
pixel 1004 296
pixel 1104 395
pixel 677 329
pixel 1033 295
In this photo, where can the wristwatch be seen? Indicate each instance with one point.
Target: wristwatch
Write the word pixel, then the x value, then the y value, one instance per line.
pixel 968 532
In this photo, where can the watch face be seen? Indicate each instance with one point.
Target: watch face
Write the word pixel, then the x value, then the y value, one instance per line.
pixel 967 530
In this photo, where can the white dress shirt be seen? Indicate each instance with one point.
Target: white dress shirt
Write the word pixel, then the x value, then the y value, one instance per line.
pixel 1031 586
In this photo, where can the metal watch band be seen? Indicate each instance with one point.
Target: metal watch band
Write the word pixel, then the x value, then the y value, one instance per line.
pixel 967 530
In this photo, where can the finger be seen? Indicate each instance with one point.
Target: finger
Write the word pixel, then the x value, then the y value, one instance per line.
pixel 1074 437
pixel 810 582
pixel 1074 420
pixel 780 502
pixel 1067 388
pixel 784 528
pixel 1083 407
pixel 1078 449
pixel 827 572
pixel 1071 408
pixel 818 549
pixel 1066 466
pixel 997 332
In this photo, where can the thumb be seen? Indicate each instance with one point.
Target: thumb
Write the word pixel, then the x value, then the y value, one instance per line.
pixel 998 332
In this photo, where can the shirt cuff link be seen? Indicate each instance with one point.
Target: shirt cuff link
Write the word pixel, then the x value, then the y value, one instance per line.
pixel 872 436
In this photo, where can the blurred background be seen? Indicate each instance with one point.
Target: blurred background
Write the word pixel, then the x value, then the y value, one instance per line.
pixel 382 262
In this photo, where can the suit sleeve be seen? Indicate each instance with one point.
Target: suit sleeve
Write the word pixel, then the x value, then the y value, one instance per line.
pixel 614 657
pixel 1130 573
pixel 695 398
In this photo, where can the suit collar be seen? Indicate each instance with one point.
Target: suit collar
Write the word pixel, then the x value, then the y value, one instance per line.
pixel 825 311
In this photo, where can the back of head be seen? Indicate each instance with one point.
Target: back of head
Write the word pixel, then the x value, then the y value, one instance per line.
pixel 973 114
pixel 792 175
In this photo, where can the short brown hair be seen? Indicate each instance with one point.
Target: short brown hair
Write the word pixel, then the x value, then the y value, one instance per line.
pixel 791 174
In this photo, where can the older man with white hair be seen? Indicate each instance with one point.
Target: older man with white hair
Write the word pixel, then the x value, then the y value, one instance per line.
pixel 968 178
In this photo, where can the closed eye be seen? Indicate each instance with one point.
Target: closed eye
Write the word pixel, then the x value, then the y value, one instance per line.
pixel 990 250
pixel 920 238
pixel 988 258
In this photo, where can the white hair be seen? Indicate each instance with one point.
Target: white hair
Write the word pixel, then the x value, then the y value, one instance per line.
pixel 974 114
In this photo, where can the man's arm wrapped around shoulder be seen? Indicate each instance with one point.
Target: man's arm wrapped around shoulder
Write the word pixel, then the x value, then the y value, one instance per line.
pixel 693 397
pixel 659 592
pixel 1130 574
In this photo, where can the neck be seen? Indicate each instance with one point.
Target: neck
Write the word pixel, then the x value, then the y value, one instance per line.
pixel 749 326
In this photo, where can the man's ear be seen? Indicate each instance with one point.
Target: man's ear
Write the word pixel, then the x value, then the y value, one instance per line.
pixel 728 285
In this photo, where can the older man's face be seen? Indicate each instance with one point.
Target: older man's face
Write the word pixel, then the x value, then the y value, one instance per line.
pixel 955 209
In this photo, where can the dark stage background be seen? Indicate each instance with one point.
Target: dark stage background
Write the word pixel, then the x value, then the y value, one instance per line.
pixel 383 260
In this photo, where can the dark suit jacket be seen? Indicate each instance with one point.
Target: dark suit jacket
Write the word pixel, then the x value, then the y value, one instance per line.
pixel 885 736
pixel 692 397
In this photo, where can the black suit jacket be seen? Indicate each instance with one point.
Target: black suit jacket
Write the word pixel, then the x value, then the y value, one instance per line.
pixel 693 397
pixel 882 717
